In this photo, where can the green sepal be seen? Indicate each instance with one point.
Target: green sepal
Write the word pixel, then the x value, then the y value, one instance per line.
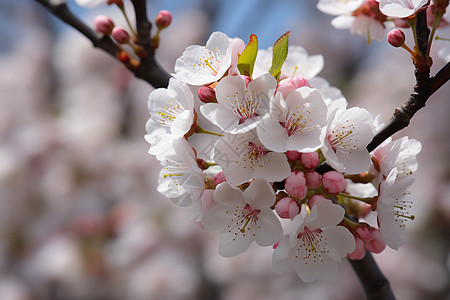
pixel 280 51
pixel 246 60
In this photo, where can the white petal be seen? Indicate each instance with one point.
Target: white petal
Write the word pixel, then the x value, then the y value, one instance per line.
pixel 324 214
pixel 326 268
pixel 226 194
pixel 259 194
pixel 182 124
pixel 269 229
pixel 340 240
pixel 355 162
pixel 220 116
pixel 231 245
pixel 272 134
pixel 282 256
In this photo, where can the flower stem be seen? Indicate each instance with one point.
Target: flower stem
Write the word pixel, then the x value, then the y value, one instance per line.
pixel 367 200
pixel 437 19
pixel 412 23
pixel 122 8
pixel 200 129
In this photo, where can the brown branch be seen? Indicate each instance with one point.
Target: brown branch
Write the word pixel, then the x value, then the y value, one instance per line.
pixel 375 284
pixel 147 68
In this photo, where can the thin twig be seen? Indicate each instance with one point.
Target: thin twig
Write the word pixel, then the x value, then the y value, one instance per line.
pixel 146 68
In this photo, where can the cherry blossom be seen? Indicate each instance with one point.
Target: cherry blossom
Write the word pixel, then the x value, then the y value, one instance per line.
pixel 401 154
pixel 181 180
pixel 401 8
pixel 349 132
pixel 243 157
pixel 361 25
pixel 171 109
pixel 298 63
pixel 393 209
pixel 243 217
pixel 315 244
pixel 338 7
pixel 90 3
pixel 204 64
pixel 295 123
pixel 240 107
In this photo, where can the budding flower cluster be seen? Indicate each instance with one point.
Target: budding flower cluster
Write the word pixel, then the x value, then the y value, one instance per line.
pixel 254 140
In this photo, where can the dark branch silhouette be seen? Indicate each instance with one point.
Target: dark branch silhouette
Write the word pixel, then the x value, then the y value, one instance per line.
pixel 145 67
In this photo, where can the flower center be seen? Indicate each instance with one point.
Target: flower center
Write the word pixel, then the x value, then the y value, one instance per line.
pixel 166 115
pixel 210 61
pixel 298 122
pixel 312 245
pixel 401 211
pixel 256 155
pixel 343 137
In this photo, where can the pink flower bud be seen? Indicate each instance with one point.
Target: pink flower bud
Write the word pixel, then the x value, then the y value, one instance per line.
pixel 287 208
pixel 359 251
pixel 315 199
pixel 310 160
pixel 207 94
pixel 292 155
pixel 312 180
pixel 247 79
pixel 103 24
pixel 219 178
pixel 396 37
pixel 163 19
pixel 377 244
pixel 288 85
pixel 333 182
pixel 295 184
pixel 364 231
pixel 120 35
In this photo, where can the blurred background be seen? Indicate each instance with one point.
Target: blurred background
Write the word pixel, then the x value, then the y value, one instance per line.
pixel 80 217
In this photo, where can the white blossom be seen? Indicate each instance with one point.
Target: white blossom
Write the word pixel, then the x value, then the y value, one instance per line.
pixel 295 123
pixel 243 217
pixel 393 208
pixel 349 131
pixel 181 180
pixel 315 244
pixel 90 3
pixel 338 7
pixel 401 8
pixel 243 157
pixel 201 65
pixel 240 107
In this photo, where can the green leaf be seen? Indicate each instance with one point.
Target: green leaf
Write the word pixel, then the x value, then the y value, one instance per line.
pixel 280 51
pixel 246 60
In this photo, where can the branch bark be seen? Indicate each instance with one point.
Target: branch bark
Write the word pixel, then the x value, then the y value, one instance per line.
pixel 146 68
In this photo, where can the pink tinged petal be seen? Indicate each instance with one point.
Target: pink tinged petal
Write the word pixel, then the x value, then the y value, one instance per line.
pixel 268 228
pixel 237 47
pixel 259 194
pixel 340 242
pixel 325 214
pixel 262 89
pixel 359 251
pixel 282 256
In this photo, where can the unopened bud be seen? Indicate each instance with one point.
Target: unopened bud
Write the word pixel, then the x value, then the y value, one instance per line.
pixel 163 19
pixel 377 244
pixel 333 182
pixel 207 94
pixel 359 251
pixel 120 35
pixel 247 79
pixel 295 184
pixel 310 160
pixel 364 231
pixel 396 37
pixel 316 199
pixel 287 208
pixel 219 178
pixel 312 179
pixel 288 85
pixel 103 24
pixel 292 155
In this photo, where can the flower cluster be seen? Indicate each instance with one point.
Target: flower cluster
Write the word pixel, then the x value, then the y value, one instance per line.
pixel 240 133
